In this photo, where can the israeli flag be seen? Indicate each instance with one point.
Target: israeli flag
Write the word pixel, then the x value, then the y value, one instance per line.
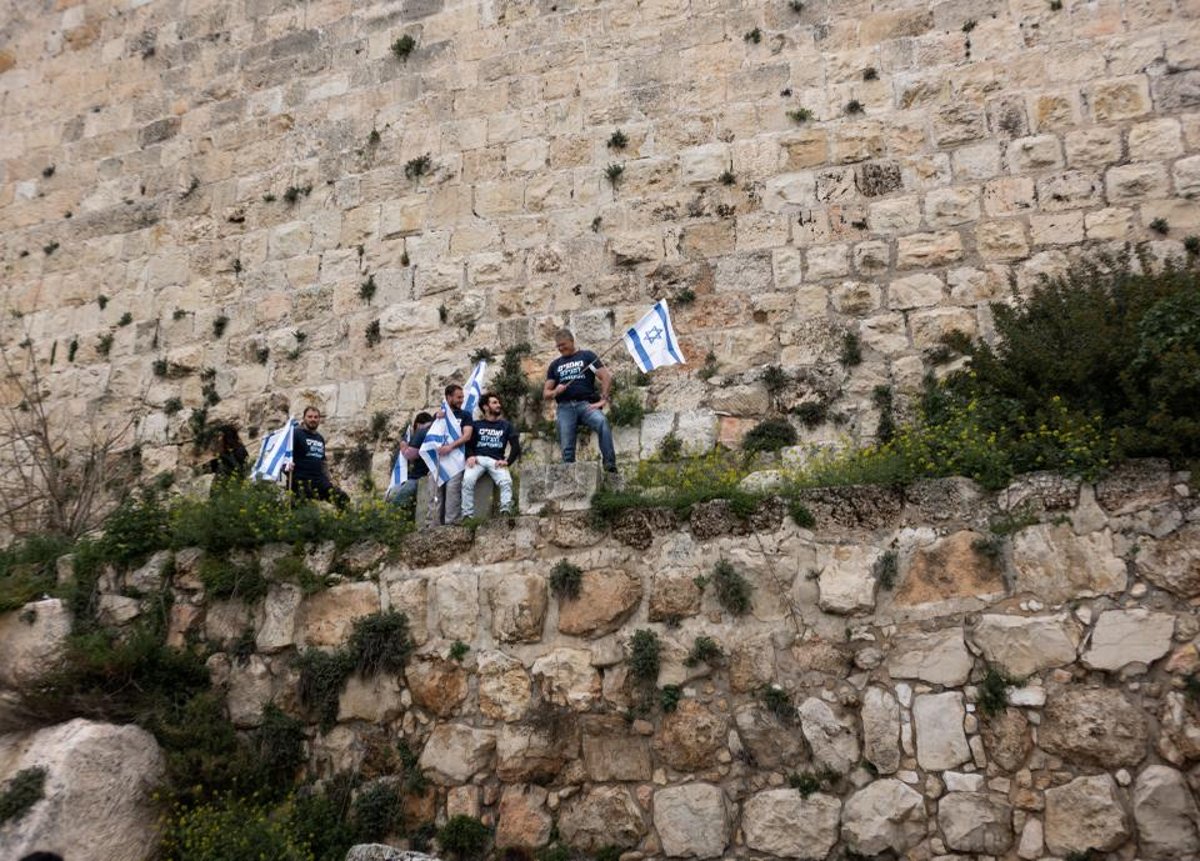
pixel 652 341
pixel 274 454
pixel 447 429
pixel 473 390
pixel 399 470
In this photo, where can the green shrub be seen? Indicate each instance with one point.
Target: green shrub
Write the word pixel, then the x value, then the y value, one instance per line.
pixel 232 829
pixel 671 448
pixel 381 643
pixel 993 691
pixel 566 580
pixel 458 650
pixel 886 569
pixel 733 590
pixel 800 514
pixel 293 569
pixel 779 703
pixel 644 650
pixel 322 675
pixel 377 812
pixel 25 789
pixel 704 650
pixel 806 783
pixel 137 528
pixel 769 435
pixel 28 570
pixel 464 837
pixel 626 410
pixel 608 853
pixel 775 379
pixel 224 579
pixel 669 697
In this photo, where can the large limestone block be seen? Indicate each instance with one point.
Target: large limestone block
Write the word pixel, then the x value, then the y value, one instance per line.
pixel 518 603
pixel 772 743
pixel 277 619
pixel 1129 636
pixel 948 569
pixel 409 595
pixel 783 822
pixel 941 742
pixel 1055 564
pixel 456 597
pixel 1168 822
pixel 374 699
pixel 884 815
pixel 1006 738
pixel 937 657
pixel 454 752
pixel 250 689
pixel 98 796
pixel 524 819
pixel 1173 562
pixel 1095 726
pixel 1085 814
pixel 438 684
pixel 690 737
pixel 612 752
pixel 567 486
pixel 504 686
pixel 602 816
pixel 568 678
pixel 674 594
pixel 326 618
pixel 692 820
pixel 535 752
pixel 881 731
pixel 1024 645
pixel 32 640
pixel 834 742
pixel 847 581
pixel 607 597
pixel 975 822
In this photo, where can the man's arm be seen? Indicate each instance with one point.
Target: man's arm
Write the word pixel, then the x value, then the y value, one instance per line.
pixel 468 431
pixel 604 376
pixel 514 446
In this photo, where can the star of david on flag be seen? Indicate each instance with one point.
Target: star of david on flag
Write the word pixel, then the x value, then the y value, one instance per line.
pixel 473 390
pixel 652 342
pixel 444 430
pixel 274 454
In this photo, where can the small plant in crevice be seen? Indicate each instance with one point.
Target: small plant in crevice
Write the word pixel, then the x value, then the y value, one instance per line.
pixel 295 192
pixel 800 514
pixel 618 140
pixel 566 580
pixel 644 655
pixel 1191 244
pixel 992 691
pixel 796 6
pixel 379 424
pixel 670 449
pixel 684 297
pixel 178 314
pixel 50 247
pixel 458 651
pixel 125 319
pixel 357 459
pixel 403 47
pixel 377 812
pixel 726 210
pixel 669 697
pixel 870 74
pixel 366 290
pixel 808 782
pixel 885 570
pixel 25 789
pixel 373 334
pixel 732 589
pixel 754 36
pixel 1056 5
pixel 464 838
pixel 811 413
pixel 48 171
pixel 236 266
pixel 800 115
pixel 613 173
pixel 415 168
pixel 102 301
pixel 779 703
pixel 709 369
pixel 884 401
pixel 443 313
pixel 72 349
pixel 373 138
pixel 627 410
pixel 596 222
pixel 775 379
pixel 219 324
pixel 1160 226
pixel 854 106
pixel 171 406
pixel 191 189
pixel 261 354
pixel 968 25
pixel 268 198
pixel 990 547
pixel 727 178
pixel 104 343
pixel 705 650
pixel 851 352
pixel 769 435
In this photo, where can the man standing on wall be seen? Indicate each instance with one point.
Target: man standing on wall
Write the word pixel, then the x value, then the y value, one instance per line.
pixel 492 437
pixel 452 489
pixel 310 470
pixel 571 381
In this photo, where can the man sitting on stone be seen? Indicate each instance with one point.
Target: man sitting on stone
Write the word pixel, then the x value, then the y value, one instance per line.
pixel 571 381
pixel 310 467
pixel 493 436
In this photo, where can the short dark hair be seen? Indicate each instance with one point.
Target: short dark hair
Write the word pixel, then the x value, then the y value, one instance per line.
pixel 487 396
pixel 316 409
pixel 564 335
pixel 452 388
pixel 422 419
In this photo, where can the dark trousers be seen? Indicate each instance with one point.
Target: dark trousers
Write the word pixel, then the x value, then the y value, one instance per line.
pixel 322 490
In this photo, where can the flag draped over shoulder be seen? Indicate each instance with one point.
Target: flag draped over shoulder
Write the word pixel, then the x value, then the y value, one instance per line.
pixel 652 342
pixel 399 469
pixel 445 430
pixel 473 390
pixel 274 454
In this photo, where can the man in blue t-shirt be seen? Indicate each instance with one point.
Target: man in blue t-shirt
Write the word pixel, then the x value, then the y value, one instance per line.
pixel 310 467
pixel 494 447
pixel 571 381
pixel 410 450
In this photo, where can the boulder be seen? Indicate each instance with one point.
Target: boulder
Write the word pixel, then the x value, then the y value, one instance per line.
pixel 438 684
pixel 1094 726
pixel 607 597
pixel 454 752
pixel 523 819
pixel 881 730
pixel 941 742
pixel 410 595
pixel 568 678
pixel 250 689
pixel 690 737
pixel 692 820
pixel 456 603
pixel 783 822
pixel 884 815
pixel 1172 562
pixel 1168 822
pixel 674 594
pixel 1085 814
pixel 32 640
pixel 1124 637
pixel 601 816
pixel 1056 565
pixel 834 742
pixel 117 610
pixel 326 618
pixel 518 603
pixel 847 581
pixel 504 687
pixel 937 657
pixel 148 577
pixel 1023 645
pixel 276 628
pixel 98 791
pixel 535 752
pixel 975 822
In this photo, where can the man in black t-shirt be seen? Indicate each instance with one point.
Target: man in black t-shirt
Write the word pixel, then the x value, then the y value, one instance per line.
pixel 495 446
pixel 410 450
pixel 571 380
pixel 310 467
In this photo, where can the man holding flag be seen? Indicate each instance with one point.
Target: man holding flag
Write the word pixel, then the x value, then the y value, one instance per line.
pixel 444 450
pixel 402 487
pixel 571 381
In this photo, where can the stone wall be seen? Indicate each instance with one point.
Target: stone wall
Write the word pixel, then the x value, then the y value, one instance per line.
pixel 196 160
pixel 876 691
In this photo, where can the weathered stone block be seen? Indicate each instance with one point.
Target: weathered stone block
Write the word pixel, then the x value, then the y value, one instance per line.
pixel 1085 814
pixel 782 822
pixel 692 820
pixel 569 486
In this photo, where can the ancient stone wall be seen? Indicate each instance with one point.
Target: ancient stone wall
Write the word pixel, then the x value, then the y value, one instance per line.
pixel 171 169
pixel 860 703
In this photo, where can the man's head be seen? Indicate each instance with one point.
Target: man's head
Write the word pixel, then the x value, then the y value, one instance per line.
pixel 455 396
pixel 564 342
pixel 422 419
pixel 491 405
pixel 312 418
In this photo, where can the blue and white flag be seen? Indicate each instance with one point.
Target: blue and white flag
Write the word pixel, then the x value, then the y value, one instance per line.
pixel 274 454
pixel 473 390
pixel 445 430
pixel 399 469
pixel 651 341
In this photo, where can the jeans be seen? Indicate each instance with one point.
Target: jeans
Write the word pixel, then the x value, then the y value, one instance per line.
pixel 569 416
pixel 405 494
pixel 499 474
